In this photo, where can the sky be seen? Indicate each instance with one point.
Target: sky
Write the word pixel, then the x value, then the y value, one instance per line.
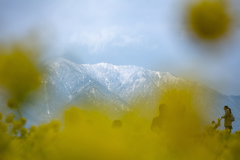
pixel 150 34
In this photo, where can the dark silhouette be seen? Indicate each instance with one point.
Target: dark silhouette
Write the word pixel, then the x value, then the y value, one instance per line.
pixel 158 121
pixel 117 124
pixel 227 118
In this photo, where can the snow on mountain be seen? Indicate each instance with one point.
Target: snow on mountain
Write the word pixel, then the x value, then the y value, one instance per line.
pixel 69 82
pixel 123 86
pixel 116 88
pixel 128 82
pixel 103 86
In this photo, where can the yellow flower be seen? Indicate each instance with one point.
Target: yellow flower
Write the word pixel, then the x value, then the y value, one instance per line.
pixel 32 129
pixel 55 125
pixel 3 127
pixel 14 131
pixel 23 120
pixel 18 73
pixel 17 124
pixel 1 116
pixel 12 103
pixel 24 132
pixel 9 118
pixel 209 19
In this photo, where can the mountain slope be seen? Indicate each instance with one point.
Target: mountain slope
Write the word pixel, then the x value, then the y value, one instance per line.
pixel 116 88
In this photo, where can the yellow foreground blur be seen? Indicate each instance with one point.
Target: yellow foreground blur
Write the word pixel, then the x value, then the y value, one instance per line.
pixel 90 135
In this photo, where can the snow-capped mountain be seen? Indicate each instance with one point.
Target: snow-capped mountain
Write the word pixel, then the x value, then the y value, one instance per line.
pixel 130 83
pixel 120 88
pixel 115 88
pixel 101 86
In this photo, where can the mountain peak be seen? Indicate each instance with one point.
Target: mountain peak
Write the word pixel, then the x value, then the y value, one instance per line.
pixel 114 87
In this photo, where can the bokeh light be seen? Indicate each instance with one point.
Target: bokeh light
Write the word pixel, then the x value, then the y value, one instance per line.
pixel 209 19
pixel 19 73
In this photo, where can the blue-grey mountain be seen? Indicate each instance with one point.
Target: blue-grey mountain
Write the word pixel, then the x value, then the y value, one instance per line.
pixel 118 89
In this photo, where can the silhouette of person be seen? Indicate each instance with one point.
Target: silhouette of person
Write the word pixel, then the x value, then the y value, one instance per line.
pixel 158 121
pixel 227 119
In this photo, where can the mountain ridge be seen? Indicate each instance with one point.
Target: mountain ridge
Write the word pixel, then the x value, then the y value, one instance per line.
pixel 115 88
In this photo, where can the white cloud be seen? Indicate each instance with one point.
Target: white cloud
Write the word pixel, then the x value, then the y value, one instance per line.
pixel 95 41
pixel 98 41
pixel 125 40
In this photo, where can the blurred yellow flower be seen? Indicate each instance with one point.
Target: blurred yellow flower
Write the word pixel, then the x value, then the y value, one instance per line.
pixel 98 140
pixel 24 132
pixel 9 118
pixel 3 128
pixel 18 74
pixel 1 116
pixel 19 123
pixel 209 19
pixel 32 129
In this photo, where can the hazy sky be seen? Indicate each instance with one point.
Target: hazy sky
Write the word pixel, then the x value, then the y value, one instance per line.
pixel 151 34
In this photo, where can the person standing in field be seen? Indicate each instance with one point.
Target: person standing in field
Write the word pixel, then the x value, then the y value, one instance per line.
pixel 227 118
pixel 158 121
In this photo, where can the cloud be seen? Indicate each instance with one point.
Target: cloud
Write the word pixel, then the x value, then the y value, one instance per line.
pixel 126 40
pixel 97 41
